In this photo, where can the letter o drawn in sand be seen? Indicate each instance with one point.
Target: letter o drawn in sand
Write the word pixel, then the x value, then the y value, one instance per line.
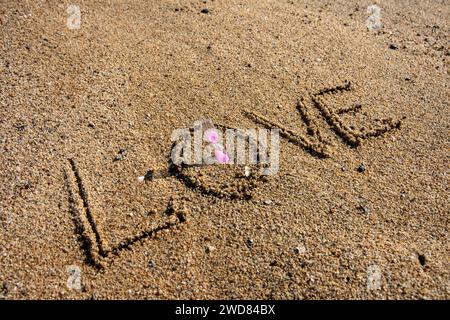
pixel 225 180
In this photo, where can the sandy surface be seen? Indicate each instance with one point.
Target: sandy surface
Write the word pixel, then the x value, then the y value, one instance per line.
pixel 71 101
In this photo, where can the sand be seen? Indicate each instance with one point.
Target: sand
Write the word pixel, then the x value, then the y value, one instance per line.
pixel 85 112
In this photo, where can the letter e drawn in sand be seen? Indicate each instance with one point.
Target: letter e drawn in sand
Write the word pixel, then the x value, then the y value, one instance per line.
pixel 350 136
pixel 92 238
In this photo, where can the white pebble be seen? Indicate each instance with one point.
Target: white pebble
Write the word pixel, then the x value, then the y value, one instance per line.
pixel 300 249
pixel 247 171
pixel 210 248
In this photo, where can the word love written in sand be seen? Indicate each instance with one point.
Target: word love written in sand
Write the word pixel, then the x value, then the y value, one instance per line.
pixel 100 206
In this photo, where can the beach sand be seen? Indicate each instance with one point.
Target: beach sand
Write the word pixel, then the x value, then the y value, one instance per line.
pixel 85 112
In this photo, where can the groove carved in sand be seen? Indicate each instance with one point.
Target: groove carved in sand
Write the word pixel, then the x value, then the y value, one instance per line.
pixel 350 136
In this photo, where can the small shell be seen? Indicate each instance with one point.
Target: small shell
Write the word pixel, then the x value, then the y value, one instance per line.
pixel 221 156
pixel 247 171
pixel 212 136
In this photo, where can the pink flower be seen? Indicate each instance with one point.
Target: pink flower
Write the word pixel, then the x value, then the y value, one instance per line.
pixel 212 136
pixel 221 156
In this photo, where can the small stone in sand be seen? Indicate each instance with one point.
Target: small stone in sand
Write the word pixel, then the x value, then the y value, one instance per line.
pixel 118 158
pixel 361 168
pixel 250 243
pixel 5 287
pixel 182 216
pixel 365 210
pixel 267 202
pixel 149 175
pixel 210 248
pixel 20 127
pixel 121 155
pixel 393 46
pixel 300 249
pixel 422 259
pixel 205 11
pixel 151 264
